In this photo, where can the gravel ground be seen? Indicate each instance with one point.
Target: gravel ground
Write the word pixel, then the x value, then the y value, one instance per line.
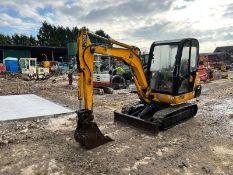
pixel 202 145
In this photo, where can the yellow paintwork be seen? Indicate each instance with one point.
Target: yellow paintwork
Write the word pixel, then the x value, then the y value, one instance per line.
pixel 165 98
pixel 85 81
pixel 128 54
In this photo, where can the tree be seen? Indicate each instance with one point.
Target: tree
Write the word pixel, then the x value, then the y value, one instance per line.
pixel 74 32
pixel 44 34
pixel 59 38
pixel 16 39
pixel 50 35
pixel 5 40
pixel 32 40
pixel 103 34
pixel 23 40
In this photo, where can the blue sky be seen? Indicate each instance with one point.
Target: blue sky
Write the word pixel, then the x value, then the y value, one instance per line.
pixel 138 22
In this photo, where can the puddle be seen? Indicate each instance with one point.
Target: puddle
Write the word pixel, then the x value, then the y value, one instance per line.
pixel 225 107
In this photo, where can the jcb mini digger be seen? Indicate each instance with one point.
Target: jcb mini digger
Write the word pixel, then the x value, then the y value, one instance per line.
pixel 170 80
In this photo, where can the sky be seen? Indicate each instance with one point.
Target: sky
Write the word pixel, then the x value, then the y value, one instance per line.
pixel 136 22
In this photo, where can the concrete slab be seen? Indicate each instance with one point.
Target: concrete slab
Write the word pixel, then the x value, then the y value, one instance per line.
pixel 13 107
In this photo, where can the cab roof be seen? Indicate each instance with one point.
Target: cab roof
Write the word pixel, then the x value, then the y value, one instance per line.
pixel 173 41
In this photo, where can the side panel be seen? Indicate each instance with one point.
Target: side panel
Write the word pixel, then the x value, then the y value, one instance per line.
pixel 169 99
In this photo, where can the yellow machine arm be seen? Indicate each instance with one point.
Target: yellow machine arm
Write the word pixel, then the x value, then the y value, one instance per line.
pixel 86 50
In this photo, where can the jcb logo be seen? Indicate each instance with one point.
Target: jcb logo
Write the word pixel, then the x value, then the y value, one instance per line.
pixel 84 41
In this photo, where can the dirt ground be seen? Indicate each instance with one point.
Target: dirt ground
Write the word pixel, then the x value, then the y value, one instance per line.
pixel 202 145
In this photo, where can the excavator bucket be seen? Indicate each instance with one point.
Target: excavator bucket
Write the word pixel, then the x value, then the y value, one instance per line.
pixel 87 132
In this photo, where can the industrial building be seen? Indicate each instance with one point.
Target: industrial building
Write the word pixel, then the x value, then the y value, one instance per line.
pixel 224 54
pixel 40 52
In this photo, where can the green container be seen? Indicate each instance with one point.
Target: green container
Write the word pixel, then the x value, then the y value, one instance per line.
pixel 72 48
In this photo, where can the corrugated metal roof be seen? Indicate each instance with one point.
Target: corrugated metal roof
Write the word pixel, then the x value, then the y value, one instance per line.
pixel 228 49
pixel 31 47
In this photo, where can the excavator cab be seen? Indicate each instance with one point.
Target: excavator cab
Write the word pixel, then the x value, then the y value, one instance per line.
pixel 172 66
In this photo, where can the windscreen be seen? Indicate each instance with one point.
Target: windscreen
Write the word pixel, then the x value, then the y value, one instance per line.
pixel 162 67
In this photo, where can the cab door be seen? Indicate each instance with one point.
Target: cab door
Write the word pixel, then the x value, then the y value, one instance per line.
pixel 188 66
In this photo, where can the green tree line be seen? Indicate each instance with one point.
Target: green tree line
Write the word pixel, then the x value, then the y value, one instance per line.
pixel 48 35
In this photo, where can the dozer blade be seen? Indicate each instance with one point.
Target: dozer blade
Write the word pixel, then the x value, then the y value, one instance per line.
pixel 87 132
pixel 160 120
pixel 137 122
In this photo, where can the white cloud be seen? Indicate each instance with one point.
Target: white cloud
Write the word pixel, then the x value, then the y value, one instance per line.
pixel 125 20
pixel 17 25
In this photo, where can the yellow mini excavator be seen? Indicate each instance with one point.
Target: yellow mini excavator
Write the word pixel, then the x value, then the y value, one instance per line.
pixel 169 80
